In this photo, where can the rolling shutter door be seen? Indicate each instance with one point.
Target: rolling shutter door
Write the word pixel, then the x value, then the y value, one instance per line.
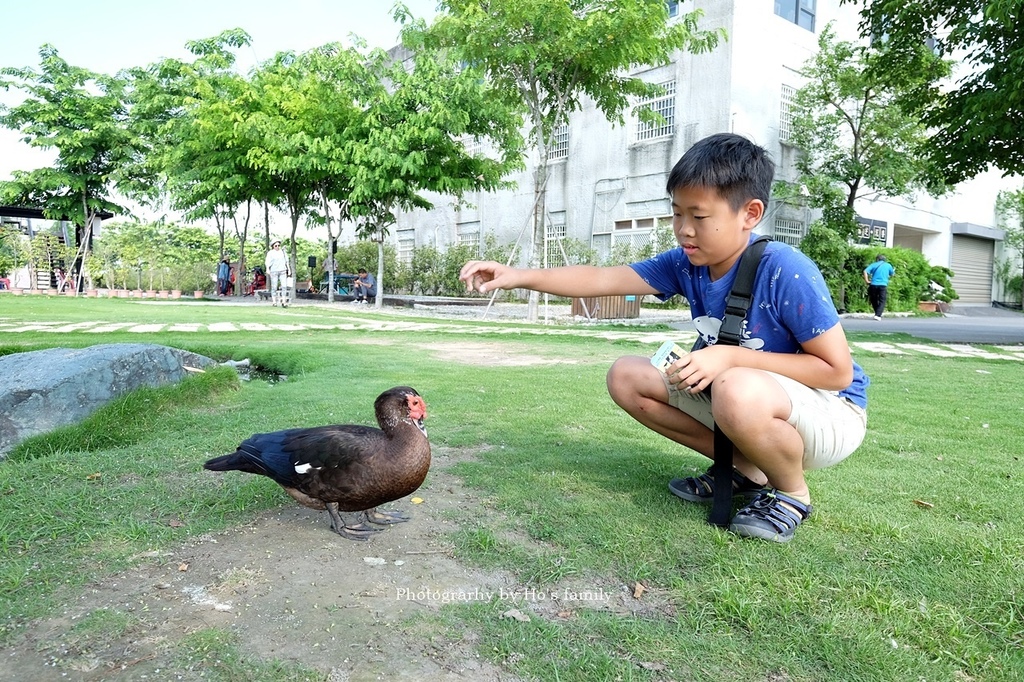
pixel 971 263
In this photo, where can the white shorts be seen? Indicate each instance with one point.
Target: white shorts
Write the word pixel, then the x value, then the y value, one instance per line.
pixel 831 426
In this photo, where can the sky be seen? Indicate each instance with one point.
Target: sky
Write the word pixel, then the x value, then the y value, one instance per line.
pixel 109 35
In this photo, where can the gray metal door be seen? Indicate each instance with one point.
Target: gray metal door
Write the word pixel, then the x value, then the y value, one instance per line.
pixel 971 263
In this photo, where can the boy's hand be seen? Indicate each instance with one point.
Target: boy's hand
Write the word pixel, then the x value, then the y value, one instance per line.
pixel 699 368
pixel 484 276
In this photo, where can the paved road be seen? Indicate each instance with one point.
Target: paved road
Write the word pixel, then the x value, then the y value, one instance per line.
pixel 964 324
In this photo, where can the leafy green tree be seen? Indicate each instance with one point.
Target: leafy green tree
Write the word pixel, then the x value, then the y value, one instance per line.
pixel 189 112
pixel 14 249
pixel 854 143
pixel 979 118
pixel 543 57
pixel 409 140
pixel 277 139
pixel 321 112
pixel 82 115
pixel 1010 217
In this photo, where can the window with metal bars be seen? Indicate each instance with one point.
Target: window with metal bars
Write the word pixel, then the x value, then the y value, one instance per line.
pixel 665 105
pixel 468 234
pixel 406 246
pixel 560 143
pixel 786 114
pixel 788 231
pixel 552 236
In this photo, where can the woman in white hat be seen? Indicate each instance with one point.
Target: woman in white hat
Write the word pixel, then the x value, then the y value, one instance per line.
pixel 277 270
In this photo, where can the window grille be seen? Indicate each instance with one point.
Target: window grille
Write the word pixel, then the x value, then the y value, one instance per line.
pixel 789 231
pixel 552 236
pixel 406 246
pixel 786 114
pixel 468 234
pixel 472 145
pixel 664 104
pixel 560 143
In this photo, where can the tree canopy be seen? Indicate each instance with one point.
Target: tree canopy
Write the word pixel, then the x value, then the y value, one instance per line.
pixel 979 119
pixel 82 115
pixel 855 143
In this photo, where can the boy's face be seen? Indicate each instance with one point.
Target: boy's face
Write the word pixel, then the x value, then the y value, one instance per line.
pixel 709 230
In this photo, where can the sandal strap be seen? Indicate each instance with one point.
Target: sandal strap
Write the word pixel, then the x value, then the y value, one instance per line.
pixel 767 507
pixel 704 484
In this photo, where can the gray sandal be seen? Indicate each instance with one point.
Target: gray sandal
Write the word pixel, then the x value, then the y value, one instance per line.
pixel 702 488
pixel 768 519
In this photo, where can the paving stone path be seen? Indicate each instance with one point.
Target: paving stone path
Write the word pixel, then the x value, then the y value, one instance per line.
pixel 940 350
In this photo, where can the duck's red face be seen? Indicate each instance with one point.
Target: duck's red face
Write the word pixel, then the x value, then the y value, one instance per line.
pixel 417 408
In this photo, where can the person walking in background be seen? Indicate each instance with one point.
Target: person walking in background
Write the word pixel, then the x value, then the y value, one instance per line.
pixel 364 286
pixel 223 277
pixel 877 276
pixel 277 269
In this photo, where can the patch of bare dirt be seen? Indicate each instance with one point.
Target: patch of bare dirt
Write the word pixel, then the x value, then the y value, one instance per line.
pixel 290 589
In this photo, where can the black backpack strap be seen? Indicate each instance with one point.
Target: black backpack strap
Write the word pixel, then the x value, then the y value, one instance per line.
pixel 738 302
pixel 736 307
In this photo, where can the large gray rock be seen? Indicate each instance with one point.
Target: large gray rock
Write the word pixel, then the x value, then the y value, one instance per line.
pixel 46 389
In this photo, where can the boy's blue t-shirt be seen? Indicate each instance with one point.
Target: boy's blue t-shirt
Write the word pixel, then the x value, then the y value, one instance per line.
pixel 791 303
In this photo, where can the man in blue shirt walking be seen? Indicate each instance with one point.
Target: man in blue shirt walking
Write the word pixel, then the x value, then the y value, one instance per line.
pixel 877 276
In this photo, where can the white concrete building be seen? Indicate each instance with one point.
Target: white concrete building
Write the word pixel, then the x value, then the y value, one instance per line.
pixel 607 182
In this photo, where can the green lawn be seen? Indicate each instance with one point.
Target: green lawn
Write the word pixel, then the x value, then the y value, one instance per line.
pixel 912 567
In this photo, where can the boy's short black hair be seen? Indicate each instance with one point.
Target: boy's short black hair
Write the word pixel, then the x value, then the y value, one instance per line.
pixel 730 164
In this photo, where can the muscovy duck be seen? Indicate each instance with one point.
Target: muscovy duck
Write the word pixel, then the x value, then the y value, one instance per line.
pixel 345 467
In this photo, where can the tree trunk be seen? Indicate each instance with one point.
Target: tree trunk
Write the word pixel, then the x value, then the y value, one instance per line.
pixel 329 263
pixel 266 226
pixel 540 182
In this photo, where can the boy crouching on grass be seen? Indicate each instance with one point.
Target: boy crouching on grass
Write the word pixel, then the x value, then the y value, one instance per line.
pixel 789 396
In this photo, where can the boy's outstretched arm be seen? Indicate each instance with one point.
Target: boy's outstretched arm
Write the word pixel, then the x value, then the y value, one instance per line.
pixel 571 280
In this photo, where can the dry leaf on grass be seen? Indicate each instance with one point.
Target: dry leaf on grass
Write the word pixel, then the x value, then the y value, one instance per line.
pixel 922 503
pixel 516 614
pixel 638 590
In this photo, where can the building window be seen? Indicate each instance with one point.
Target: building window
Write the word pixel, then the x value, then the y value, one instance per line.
pixel 631 239
pixel 664 104
pixel 789 231
pixel 800 12
pixel 786 114
pixel 553 236
pixel 472 145
pixel 406 246
pixel 560 143
pixel 673 9
pixel 468 234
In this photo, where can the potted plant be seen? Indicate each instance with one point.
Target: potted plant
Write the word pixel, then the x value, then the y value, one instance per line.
pixel 939 293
